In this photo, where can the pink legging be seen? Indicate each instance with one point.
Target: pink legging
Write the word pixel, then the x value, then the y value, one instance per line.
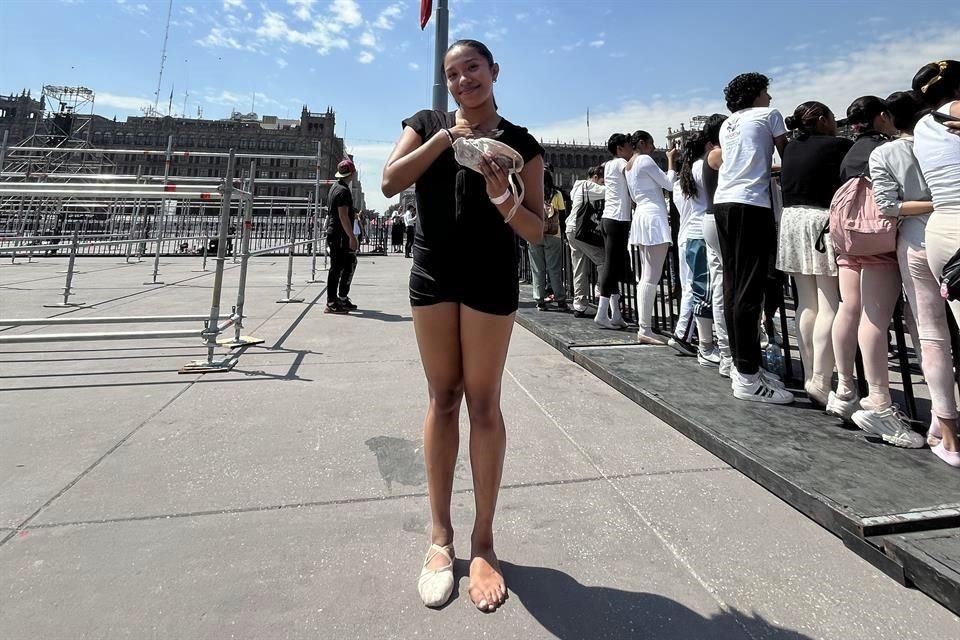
pixel 869 295
pixel 923 292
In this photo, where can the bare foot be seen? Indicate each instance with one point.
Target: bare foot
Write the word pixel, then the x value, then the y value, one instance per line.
pixel 487 588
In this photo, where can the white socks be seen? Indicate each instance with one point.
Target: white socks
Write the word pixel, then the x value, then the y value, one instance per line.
pixel 705 334
pixel 603 310
pixel 615 314
pixel 647 293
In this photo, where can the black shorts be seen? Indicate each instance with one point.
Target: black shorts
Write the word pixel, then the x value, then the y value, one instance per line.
pixel 484 285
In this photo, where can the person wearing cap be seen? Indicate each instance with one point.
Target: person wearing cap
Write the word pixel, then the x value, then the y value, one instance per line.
pixel 342 242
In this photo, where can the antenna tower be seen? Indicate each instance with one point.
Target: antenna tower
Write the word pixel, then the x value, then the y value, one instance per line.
pixel 163 56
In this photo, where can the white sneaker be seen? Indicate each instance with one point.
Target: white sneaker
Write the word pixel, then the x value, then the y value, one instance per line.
pixel 726 366
pixel 770 375
pixel 891 425
pixel 759 390
pixel 711 358
pixel 840 408
pixel 771 379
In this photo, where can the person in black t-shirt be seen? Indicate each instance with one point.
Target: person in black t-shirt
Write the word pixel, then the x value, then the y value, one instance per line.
pixel 342 243
pixel 810 175
pixel 464 294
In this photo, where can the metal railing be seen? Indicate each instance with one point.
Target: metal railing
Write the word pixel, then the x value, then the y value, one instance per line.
pixel 214 324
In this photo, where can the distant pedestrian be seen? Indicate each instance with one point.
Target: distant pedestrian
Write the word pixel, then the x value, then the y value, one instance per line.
pixel 546 258
pixel 396 233
pixel 650 227
pixel 410 222
pixel 342 241
pixel 616 232
pixel 584 193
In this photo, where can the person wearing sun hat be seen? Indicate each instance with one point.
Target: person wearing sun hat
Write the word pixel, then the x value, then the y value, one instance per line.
pixel 342 243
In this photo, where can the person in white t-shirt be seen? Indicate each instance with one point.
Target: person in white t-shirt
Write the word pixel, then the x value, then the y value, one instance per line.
pixel 410 223
pixel 650 230
pixel 616 231
pixel 937 149
pixel 696 305
pixel 581 253
pixel 746 228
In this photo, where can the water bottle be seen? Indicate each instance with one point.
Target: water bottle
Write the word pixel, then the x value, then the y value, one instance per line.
pixel 773 359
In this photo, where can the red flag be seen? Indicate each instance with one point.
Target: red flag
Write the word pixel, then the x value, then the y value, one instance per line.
pixel 426 8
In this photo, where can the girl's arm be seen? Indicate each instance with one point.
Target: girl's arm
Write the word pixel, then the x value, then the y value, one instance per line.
pixel 663 180
pixel 412 156
pixel 527 221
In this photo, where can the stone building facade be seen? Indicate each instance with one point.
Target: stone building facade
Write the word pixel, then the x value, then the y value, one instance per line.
pixel 570 162
pixel 24 118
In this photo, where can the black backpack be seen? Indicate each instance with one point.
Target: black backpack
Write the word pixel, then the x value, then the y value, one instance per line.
pixel 588 215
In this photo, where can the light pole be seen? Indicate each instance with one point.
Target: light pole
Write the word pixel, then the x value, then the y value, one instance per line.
pixel 439 82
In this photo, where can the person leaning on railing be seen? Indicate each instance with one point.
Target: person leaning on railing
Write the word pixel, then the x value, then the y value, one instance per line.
pixel 937 149
pixel 810 175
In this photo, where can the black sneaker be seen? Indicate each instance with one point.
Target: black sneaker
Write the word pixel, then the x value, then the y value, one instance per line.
pixel 335 307
pixel 682 346
pixel 562 306
pixel 541 306
pixel 577 313
pixel 347 304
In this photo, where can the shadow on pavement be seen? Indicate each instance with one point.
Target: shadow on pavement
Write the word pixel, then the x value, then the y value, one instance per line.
pixel 380 315
pixel 573 611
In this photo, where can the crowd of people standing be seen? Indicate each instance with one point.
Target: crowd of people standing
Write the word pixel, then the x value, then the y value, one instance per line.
pixel 853 223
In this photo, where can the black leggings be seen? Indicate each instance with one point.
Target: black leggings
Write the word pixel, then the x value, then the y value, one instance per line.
pixel 748 238
pixel 616 259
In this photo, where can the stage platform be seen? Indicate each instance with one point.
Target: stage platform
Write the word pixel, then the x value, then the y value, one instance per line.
pixel 888 504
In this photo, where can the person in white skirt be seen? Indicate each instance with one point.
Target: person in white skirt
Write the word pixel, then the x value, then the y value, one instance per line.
pixel 650 228
pixel 810 175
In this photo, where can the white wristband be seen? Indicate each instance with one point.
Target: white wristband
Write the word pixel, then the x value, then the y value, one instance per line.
pixel 501 198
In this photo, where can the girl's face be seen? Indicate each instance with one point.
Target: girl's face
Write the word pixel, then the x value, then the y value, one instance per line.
pixel 646 147
pixel 469 76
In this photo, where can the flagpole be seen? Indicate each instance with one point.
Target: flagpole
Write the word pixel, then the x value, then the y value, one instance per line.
pixel 439 82
pixel 589 144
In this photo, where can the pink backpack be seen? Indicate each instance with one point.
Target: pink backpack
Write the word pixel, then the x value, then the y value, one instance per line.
pixel 857 227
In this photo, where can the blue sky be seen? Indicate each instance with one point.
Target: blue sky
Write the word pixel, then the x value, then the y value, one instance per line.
pixel 634 64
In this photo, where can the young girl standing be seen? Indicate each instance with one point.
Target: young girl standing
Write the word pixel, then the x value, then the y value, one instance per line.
pixel 464 294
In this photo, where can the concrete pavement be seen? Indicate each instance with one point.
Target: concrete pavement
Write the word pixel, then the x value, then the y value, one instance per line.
pixel 285 499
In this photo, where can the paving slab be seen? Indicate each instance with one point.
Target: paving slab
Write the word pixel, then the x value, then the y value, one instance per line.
pixel 321 436
pixel 752 550
pixel 349 571
pixel 51 435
